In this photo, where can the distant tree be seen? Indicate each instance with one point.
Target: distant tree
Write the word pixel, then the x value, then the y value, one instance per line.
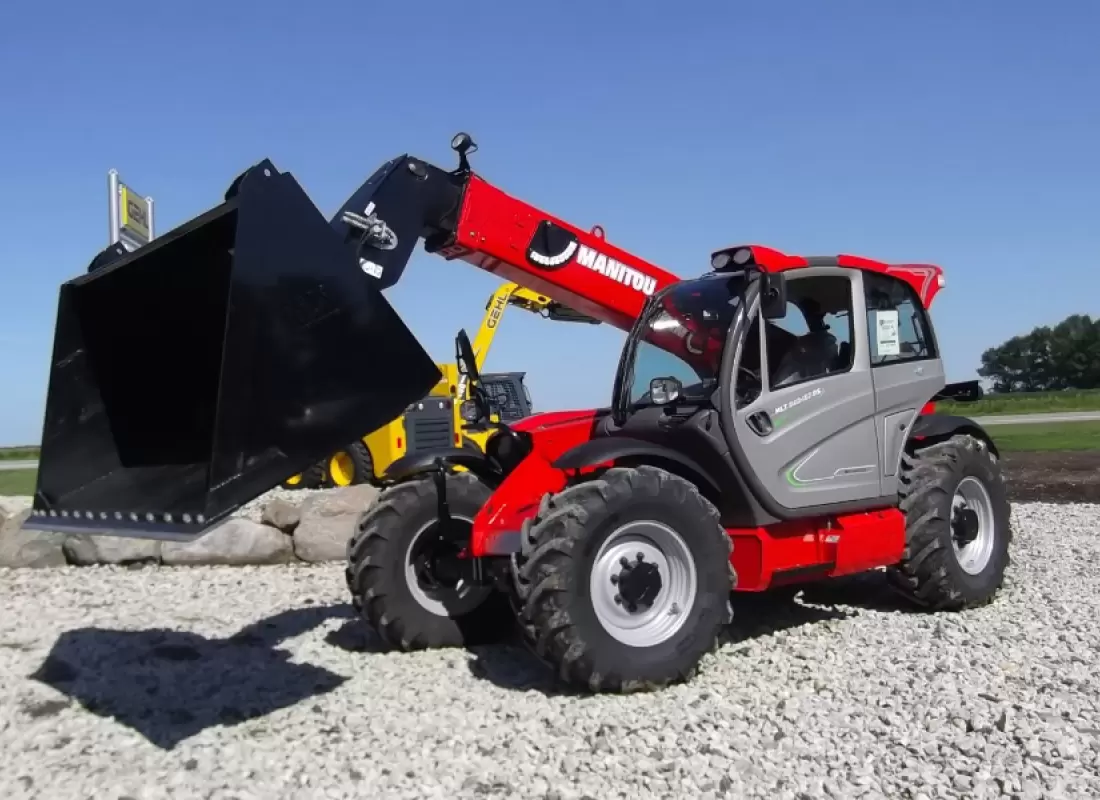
pixel 1066 356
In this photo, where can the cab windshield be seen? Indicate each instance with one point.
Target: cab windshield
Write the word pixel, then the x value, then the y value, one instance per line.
pixel 683 337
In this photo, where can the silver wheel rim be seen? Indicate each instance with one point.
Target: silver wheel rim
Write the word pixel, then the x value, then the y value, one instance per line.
pixel 443 602
pixel 664 548
pixel 974 556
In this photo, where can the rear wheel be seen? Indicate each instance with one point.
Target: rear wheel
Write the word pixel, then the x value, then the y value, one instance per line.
pixel 351 466
pixel 405 576
pixel 310 478
pixel 626 581
pixel 958 526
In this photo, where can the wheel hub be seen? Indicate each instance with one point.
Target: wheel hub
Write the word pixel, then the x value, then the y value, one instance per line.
pixel 438 579
pixel 642 583
pixel 965 525
pixel 973 526
pixel 639 582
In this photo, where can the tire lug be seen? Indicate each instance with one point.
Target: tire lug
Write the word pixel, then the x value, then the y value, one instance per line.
pixel 631 607
pixel 618 600
pixel 614 578
pixel 624 562
pixel 641 557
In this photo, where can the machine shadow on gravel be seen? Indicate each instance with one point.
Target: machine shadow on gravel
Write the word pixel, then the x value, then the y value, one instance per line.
pixel 513 666
pixel 169 685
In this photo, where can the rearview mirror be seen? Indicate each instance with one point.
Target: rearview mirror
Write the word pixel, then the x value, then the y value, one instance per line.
pixel 773 295
pixel 664 390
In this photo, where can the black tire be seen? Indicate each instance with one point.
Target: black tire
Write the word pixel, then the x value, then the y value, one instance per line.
pixel 930 573
pixel 557 612
pixel 311 478
pixel 361 462
pixel 376 574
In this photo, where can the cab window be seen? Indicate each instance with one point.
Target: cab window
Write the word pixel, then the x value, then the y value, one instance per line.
pixel 814 338
pixel 897 323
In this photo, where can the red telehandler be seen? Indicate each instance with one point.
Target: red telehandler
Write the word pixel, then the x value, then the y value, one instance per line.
pixel 771 422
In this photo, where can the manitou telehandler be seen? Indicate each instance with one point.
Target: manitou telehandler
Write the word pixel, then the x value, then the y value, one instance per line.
pixel 435 419
pixel 769 422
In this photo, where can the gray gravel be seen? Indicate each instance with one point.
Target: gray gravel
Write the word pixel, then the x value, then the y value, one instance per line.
pixel 254 682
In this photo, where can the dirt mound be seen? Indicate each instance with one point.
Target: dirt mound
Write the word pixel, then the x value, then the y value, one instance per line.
pixel 1059 477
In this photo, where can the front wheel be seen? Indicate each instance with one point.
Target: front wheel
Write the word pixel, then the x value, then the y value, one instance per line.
pixel 626 581
pixel 957 525
pixel 405 575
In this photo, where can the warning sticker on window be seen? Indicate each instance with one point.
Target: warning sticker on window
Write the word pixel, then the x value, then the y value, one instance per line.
pixel 886 333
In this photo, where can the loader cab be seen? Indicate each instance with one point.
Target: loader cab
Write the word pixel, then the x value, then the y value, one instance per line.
pixel 795 396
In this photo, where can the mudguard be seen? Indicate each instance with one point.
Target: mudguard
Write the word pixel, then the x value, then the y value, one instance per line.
pixel 415 464
pixel 961 392
pixel 941 426
pixel 613 448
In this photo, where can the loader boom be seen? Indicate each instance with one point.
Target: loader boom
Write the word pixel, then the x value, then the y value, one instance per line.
pixel 512 294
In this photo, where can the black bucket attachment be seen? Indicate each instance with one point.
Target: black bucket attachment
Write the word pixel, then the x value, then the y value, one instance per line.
pixel 196 373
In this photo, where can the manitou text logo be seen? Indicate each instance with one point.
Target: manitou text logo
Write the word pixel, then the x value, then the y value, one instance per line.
pixel 616 270
pixel 553 247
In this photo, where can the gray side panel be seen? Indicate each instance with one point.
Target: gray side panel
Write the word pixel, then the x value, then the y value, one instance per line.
pixel 903 389
pixel 825 446
pixel 895 430
pixel 429 425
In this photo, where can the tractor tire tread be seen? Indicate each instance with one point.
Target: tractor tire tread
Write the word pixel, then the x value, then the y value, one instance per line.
pixel 927 481
pixel 551 541
pixel 370 555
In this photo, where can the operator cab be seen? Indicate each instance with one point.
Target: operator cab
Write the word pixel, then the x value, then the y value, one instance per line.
pixel 792 389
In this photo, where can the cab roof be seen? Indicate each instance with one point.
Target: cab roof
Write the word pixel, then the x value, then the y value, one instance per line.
pixel 926 279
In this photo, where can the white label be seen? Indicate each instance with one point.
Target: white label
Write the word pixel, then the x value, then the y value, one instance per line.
pixel 369 267
pixel 886 333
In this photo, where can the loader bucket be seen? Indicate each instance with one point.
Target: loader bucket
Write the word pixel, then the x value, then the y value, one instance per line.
pixel 196 373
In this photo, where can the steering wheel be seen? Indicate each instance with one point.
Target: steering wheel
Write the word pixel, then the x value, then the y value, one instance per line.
pixel 747 390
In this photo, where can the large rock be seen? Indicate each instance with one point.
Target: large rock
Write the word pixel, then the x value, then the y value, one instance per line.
pixel 282 514
pixel 236 542
pixel 328 520
pixel 20 548
pixel 85 551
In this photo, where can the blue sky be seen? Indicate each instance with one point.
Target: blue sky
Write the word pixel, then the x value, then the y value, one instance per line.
pixel 964 134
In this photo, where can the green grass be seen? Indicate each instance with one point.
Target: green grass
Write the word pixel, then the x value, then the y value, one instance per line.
pixel 1026 403
pixel 17 481
pixel 18 453
pixel 1046 437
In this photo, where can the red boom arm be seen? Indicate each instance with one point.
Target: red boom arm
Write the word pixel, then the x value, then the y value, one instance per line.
pixel 510 238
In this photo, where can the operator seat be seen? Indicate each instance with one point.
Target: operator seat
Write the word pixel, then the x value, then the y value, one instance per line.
pixel 811 355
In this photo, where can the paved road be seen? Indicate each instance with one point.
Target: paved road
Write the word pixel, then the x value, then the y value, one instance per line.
pixel 1031 419
pixel 998 419
pixel 8 465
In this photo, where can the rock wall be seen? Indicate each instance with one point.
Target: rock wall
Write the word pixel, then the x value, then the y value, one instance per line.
pixel 280 527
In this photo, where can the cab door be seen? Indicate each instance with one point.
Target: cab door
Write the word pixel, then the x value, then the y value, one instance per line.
pixel 811 437
pixel 905 364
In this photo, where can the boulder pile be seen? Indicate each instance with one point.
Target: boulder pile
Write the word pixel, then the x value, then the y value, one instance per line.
pixel 280 527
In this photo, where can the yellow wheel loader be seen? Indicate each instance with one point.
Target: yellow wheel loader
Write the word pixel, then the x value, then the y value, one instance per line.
pixel 434 421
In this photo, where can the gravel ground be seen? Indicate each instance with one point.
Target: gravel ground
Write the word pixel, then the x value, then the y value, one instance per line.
pixel 256 682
